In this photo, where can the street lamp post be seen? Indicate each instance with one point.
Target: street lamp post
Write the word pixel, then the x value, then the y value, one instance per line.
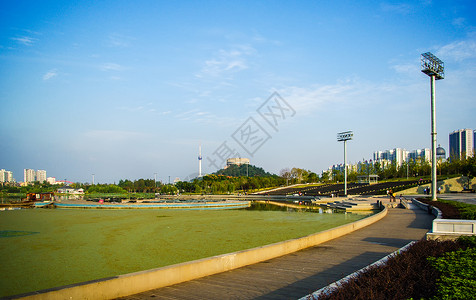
pixel 368 171
pixel 435 68
pixel 408 161
pixel 344 137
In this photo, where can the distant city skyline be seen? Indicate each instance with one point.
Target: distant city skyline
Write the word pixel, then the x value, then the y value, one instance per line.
pixel 399 155
pixel 127 90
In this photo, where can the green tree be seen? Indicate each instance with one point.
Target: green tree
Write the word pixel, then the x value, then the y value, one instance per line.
pixel 168 189
pixel 312 177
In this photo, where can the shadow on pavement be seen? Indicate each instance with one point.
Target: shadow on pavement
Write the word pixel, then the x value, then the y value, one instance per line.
pixel 319 280
pixel 424 220
pixel 392 242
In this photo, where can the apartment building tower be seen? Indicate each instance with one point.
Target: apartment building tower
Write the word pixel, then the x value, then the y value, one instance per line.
pixel 41 176
pixel 29 175
pixel 6 176
pixel 398 155
pixel 461 143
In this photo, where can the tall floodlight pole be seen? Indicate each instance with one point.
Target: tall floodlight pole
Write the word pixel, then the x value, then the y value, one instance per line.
pixel 344 137
pixel 435 68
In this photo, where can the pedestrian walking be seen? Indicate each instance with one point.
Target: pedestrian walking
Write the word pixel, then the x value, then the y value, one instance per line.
pixel 392 196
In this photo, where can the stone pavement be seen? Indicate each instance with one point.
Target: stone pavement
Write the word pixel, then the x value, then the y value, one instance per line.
pixel 298 274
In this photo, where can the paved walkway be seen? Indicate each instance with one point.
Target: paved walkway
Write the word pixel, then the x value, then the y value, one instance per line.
pixel 301 273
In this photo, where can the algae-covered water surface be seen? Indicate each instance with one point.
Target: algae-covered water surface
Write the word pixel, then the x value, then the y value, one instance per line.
pixel 45 248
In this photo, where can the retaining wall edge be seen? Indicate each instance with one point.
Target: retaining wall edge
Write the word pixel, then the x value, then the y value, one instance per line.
pixel 133 283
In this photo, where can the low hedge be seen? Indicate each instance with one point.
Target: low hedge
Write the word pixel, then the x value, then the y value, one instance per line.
pixel 429 269
pixel 453 209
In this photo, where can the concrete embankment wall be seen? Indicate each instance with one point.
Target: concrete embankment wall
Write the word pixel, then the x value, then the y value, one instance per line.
pixel 133 283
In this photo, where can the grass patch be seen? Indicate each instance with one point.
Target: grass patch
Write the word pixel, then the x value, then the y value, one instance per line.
pixel 80 245
pixel 467 211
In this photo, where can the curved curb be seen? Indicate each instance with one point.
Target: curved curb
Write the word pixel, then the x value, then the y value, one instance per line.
pixel 335 285
pixel 134 283
pixel 446 229
pixel 430 208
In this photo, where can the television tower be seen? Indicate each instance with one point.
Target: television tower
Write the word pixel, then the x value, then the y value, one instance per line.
pixel 200 161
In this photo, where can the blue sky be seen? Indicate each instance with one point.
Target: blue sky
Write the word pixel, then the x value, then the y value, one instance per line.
pixel 126 89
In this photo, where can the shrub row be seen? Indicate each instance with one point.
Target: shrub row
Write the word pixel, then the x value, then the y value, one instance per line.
pixel 427 270
pixel 453 209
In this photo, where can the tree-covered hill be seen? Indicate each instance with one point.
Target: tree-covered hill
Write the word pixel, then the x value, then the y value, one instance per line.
pixel 243 170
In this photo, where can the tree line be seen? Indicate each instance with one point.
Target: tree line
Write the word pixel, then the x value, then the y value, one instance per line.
pixel 414 168
pixel 223 184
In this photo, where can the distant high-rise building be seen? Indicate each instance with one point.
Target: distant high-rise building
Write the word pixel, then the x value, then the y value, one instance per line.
pixel 398 155
pixel 6 176
pixel 461 143
pixel 29 175
pixel 51 180
pixel 418 154
pixel 41 176
pixel 9 176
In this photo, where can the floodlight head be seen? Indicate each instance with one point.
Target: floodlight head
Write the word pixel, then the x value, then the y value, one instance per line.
pixel 432 66
pixel 344 136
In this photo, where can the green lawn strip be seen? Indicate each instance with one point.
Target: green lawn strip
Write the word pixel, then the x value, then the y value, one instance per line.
pixel 467 211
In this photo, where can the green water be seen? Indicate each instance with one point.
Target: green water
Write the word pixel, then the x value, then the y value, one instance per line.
pixel 45 248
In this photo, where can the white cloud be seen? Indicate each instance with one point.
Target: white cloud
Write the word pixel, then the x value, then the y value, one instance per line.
pixel 143 109
pixel 307 99
pixel 458 51
pixel 401 8
pixel 131 109
pixel 348 94
pixel 113 136
pixel 199 116
pixel 226 62
pixel 50 74
pixel 459 22
pixel 190 114
pixel 119 40
pixel 407 68
pixel 111 67
pixel 25 40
